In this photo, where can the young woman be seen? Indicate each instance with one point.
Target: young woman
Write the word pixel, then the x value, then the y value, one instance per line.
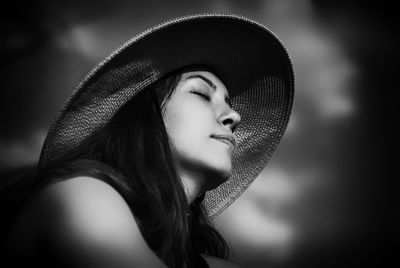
pixel 157 140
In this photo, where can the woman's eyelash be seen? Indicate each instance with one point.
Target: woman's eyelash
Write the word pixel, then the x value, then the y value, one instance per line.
pixel 201 94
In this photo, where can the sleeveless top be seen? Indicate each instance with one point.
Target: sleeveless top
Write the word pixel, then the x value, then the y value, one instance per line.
pixel 201 262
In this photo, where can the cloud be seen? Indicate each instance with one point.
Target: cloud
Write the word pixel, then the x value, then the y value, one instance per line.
pixel 16 153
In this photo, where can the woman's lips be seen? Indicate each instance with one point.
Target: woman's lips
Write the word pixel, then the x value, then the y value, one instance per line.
pixel 225 138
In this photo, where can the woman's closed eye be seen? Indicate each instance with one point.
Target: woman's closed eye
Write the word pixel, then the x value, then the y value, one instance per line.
pixel 201 94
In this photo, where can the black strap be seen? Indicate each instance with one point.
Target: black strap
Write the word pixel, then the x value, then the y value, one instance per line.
pixel 201 262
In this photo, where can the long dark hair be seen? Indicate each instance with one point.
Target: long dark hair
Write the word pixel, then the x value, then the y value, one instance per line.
pixel 133 154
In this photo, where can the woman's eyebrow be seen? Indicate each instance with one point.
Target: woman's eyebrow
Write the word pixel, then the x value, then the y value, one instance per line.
pixel 208 81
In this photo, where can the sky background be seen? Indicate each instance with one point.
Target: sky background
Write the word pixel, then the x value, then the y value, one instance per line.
pixel 323 200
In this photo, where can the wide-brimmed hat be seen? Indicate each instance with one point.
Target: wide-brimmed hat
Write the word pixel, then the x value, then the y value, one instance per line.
pixel 250 60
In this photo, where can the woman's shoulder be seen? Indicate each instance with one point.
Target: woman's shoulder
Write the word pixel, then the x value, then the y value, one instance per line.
pixel 81 217
pixel 83 193
pixel 88 199
pixel 83 206
pixel 80 196
pixel 80 204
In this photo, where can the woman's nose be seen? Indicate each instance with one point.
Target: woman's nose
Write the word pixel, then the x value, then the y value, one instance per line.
pixel 230 118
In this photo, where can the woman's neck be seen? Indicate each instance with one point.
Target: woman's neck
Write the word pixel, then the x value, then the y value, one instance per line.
pixel 192 186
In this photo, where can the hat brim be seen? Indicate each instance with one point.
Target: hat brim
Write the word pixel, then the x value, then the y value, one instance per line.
pixel 245 55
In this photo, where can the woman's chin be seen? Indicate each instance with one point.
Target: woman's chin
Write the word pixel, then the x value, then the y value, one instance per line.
pixel 212 172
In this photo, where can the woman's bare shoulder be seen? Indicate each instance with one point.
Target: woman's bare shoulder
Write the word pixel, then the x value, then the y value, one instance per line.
pixel 84 201
pixel 86 220
pixel 90 196
pixel 215 262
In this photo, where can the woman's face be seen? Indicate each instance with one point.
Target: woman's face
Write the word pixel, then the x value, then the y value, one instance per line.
pixel 200 122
